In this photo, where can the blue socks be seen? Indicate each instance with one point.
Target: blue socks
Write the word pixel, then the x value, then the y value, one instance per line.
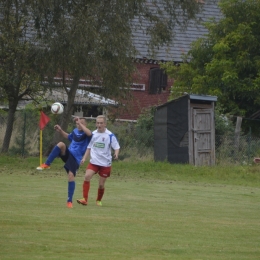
pixel 71 189
pixel 71 184
pixel 54 153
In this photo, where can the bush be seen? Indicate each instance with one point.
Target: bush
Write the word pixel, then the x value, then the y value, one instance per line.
pixel 145 128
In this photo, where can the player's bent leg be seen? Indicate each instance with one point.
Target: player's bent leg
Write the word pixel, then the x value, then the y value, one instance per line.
pixel 62 147
pixel 89 174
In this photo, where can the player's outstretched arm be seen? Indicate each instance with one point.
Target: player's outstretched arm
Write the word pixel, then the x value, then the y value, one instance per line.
pixel 59 130
pixel 82 123
pixel 86 130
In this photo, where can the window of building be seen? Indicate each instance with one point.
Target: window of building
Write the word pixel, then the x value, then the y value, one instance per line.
pixel 157 81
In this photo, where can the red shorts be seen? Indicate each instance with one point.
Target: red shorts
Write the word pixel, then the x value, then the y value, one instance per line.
pixel 102 170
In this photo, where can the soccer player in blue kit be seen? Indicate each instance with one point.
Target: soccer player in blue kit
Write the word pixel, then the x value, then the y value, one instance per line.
pixel 72 155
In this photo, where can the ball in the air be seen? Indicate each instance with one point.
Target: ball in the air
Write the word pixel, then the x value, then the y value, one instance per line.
pixel 57 108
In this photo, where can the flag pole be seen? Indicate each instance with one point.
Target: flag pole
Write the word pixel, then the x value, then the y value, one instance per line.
pixel 40 147
pixel 43 122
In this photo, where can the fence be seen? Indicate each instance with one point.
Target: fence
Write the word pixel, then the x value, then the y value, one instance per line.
pixel 136 143
pixel 237 150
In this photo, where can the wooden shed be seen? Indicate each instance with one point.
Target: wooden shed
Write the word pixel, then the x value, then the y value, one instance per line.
pixel 184 130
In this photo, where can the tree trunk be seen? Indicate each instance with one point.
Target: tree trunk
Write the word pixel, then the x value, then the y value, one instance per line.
pixel 9 126
pixel 66 117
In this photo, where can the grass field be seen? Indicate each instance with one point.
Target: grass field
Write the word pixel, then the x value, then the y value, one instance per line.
pixel 150 211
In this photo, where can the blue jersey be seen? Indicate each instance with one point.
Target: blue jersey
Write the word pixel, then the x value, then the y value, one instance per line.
pixel 79 143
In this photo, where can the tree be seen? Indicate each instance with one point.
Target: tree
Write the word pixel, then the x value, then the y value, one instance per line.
pixel 93 40
pixel 89 39
pixel 226 62
pixel 18 60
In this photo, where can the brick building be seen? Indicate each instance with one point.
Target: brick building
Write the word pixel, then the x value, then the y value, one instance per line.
pixel 150 86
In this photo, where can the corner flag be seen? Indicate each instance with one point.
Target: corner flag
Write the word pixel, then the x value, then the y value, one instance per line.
pixel 44 120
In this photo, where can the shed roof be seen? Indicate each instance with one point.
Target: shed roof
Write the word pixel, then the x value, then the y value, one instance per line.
pixel 203 97
pixel 192 97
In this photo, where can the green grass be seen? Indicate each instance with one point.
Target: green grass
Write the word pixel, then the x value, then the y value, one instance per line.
pixel 150 211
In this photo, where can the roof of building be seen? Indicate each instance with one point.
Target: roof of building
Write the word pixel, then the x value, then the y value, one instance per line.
pixel 172 51
pixel 182 39
pixel 82 97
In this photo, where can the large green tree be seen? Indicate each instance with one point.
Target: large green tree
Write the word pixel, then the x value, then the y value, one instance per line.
pixel 226 62
pixel 19 74
pixel 93 40
pixel 84 39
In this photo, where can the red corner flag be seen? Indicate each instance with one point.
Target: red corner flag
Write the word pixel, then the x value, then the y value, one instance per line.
pixel 43 120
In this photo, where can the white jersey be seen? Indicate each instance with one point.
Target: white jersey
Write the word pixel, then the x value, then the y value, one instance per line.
pixel 100 145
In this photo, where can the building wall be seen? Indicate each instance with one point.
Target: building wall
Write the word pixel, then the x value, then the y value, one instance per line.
pixel 139 100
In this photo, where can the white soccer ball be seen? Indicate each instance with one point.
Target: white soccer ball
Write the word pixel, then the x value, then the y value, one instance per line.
pixel 57 108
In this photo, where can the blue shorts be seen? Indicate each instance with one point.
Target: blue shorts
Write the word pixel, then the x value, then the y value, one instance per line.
pixel 70 162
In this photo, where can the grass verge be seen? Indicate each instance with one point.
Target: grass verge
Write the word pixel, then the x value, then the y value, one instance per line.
pixel 150 211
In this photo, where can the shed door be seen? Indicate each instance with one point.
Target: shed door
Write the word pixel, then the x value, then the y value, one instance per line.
pixel 203 137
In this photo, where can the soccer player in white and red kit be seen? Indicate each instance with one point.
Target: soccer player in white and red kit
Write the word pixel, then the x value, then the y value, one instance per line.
pixel 100 162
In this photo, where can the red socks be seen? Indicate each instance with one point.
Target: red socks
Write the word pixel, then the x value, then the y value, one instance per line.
pixel 86 186
pixel 100 194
